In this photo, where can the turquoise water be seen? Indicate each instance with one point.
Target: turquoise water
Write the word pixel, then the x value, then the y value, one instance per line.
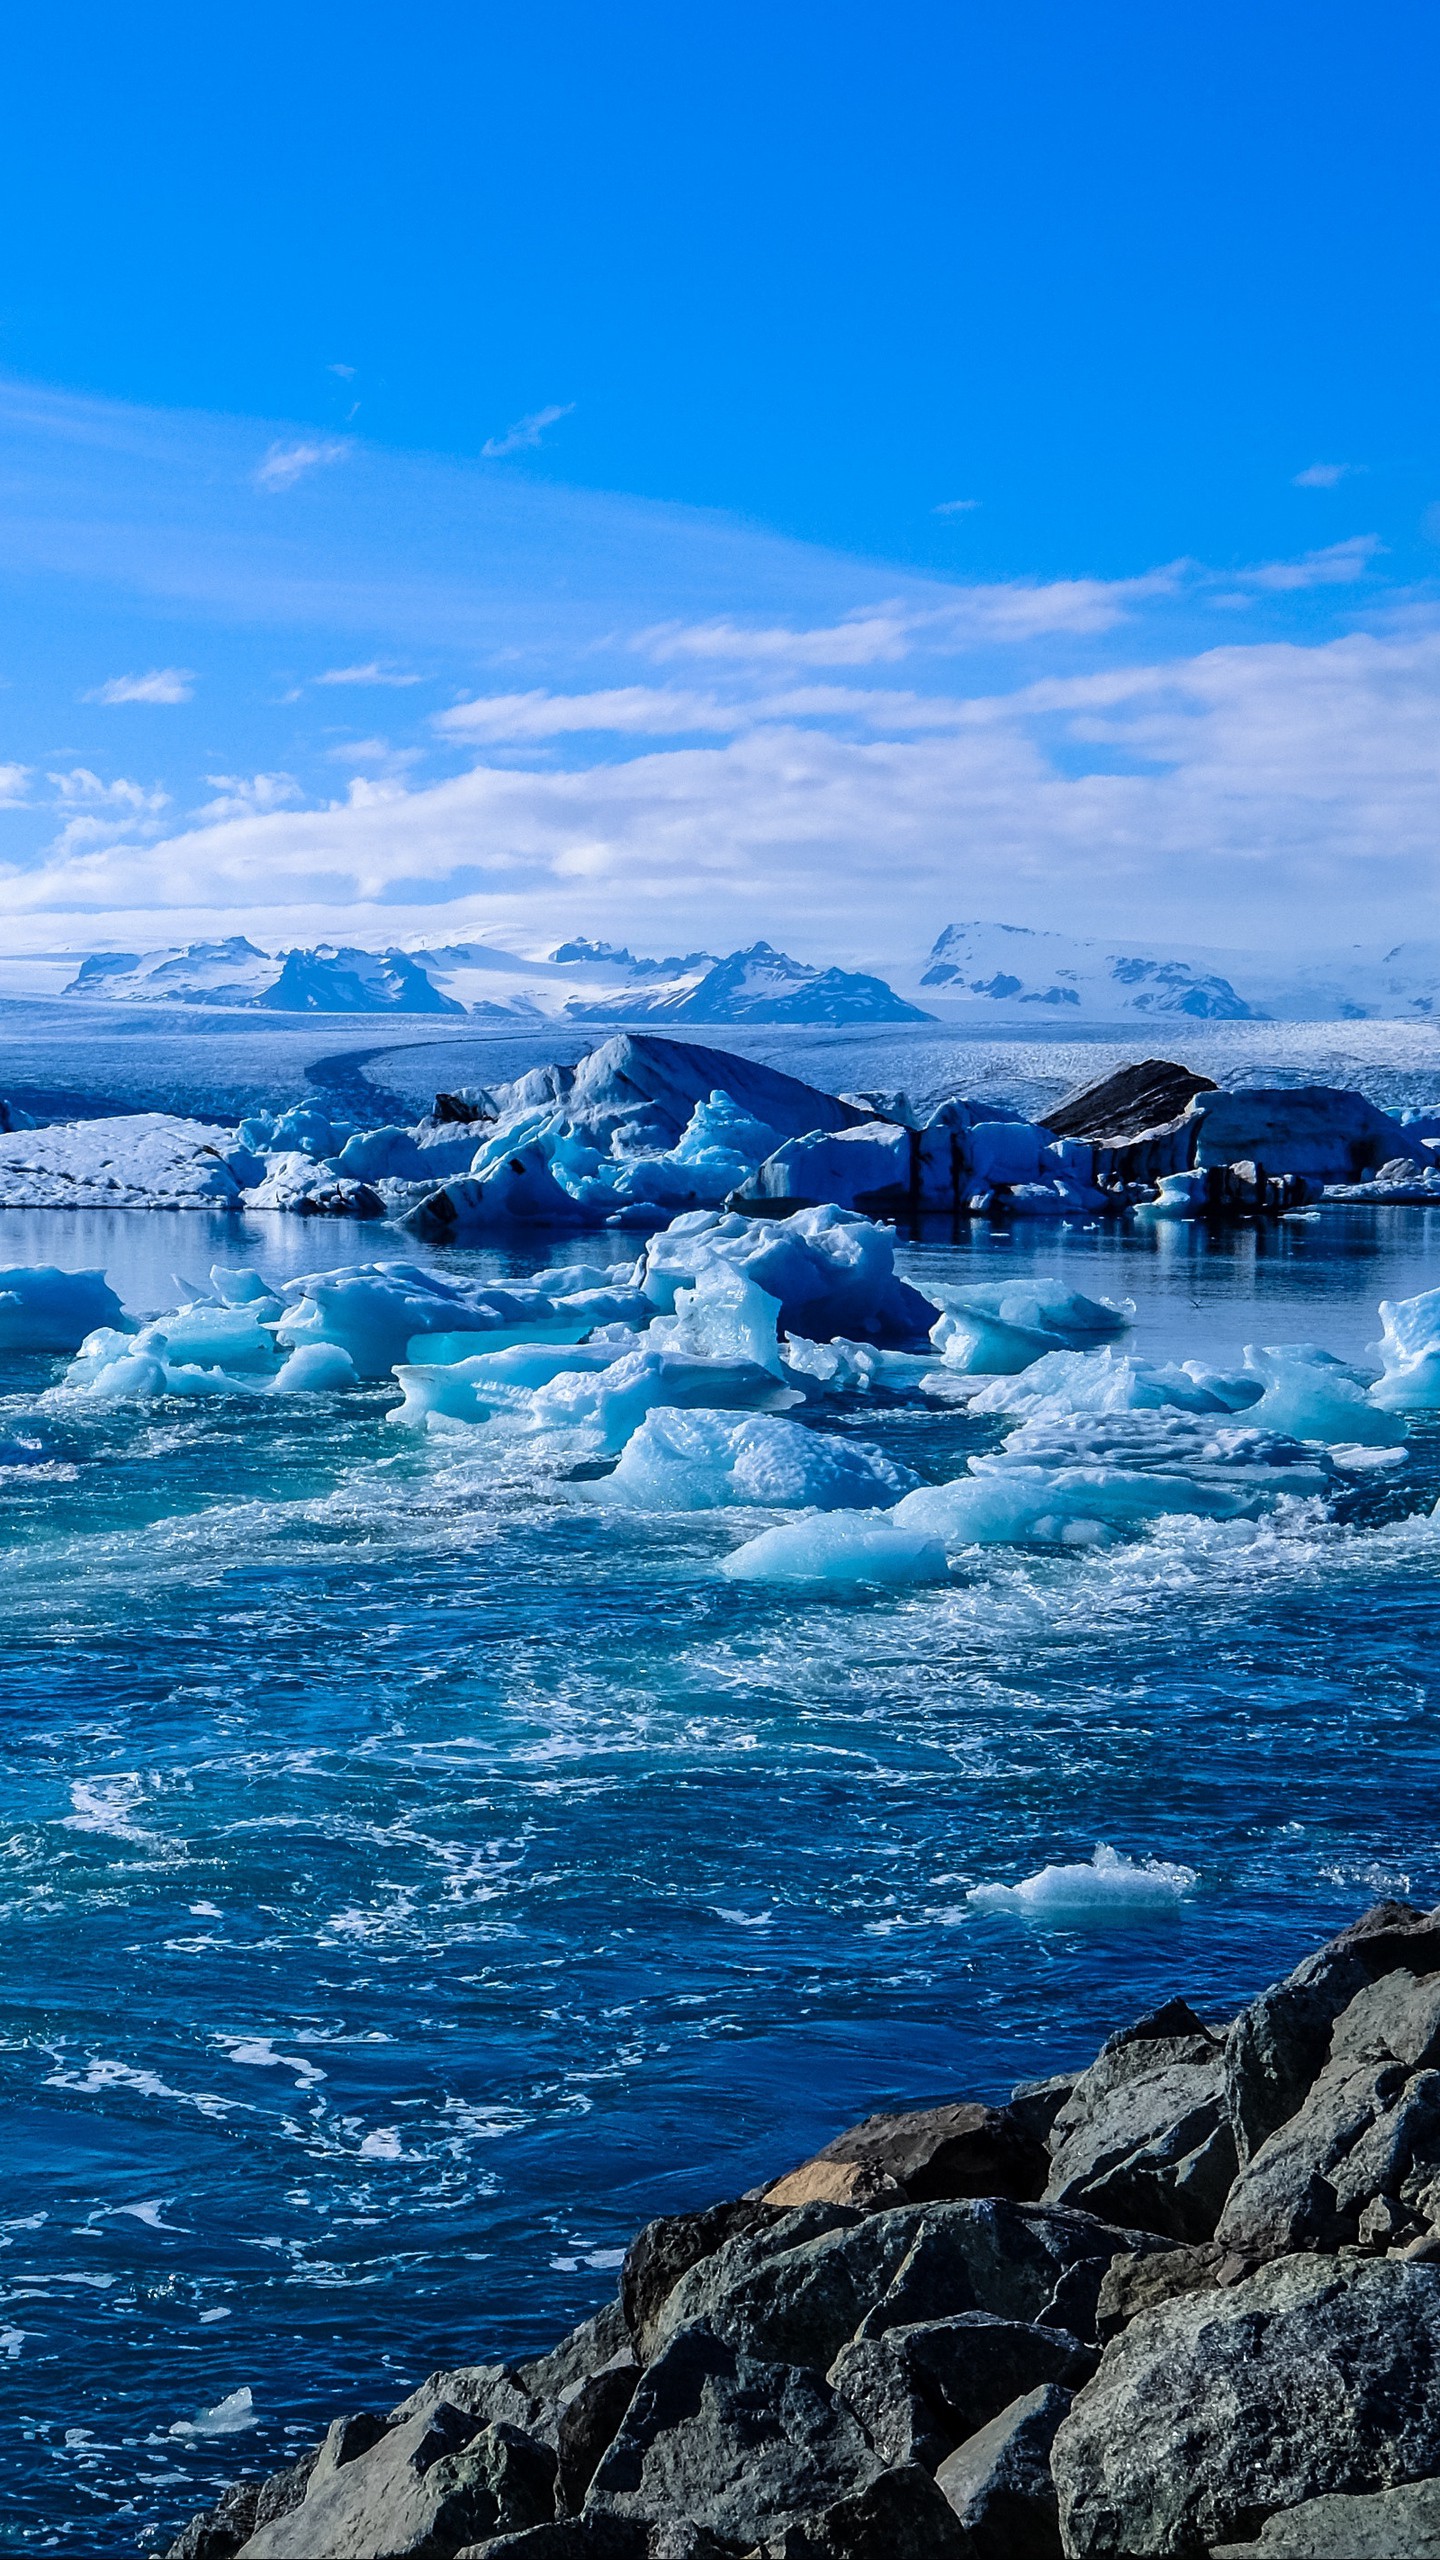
pixel 414 1877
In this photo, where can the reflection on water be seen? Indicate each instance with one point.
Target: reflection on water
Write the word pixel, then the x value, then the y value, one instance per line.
pixel 414 1877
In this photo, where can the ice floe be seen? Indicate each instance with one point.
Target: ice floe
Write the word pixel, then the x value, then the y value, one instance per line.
pixel 1107 1885
pixel 840 1551
pixel 42 1309
pixel 701 1461
pixel 1409 1350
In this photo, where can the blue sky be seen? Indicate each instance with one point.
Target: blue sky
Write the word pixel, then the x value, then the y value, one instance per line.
pixel 820 471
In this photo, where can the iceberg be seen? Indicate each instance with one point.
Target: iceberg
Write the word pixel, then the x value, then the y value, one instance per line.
pixel 702 1461
pixel 42 1309
pixel 1313 1396
pixel 840 1551
pixel 490 1382
pixel 1076 1506
pixel 609 1407
pixel 316 1369
pixel 377 1310
pixel 1409 1350
pixel 724 1317
pixel 1107 1885
pixel 831 1271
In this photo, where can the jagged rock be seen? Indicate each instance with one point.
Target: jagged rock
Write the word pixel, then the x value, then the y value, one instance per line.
pixel 1144 2136
pixel 1278 2045
pixel 801 2303
pixel 583 2352
pixel 920 2391
pixel 1035 2104
pixel 938 2153
pixel 1000 2483
pixel 671 2245
pixel 587 2425
pixel 1367 2129
pixel 1135 2284
pixel 491 2394
pixel 738 2443
pixel 901 2516
pixel 219 2535
pixel 1313 2376
pixel 430 2484
pixel 582 2538
pixel 1397 2524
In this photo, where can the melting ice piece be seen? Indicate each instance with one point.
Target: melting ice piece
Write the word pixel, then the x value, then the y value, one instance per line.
pixel 1074 1382
pixel 316 1369
pixel 832 1270
pixel 983 1345
pixel 493 1381
pixel 1059 1506
pixel 229 2417
pixel 607 1409
pixel 1410 1351
pixel 1109 1885
pixel 701 1461
pixel 42 1309
pixel 724 1317
pixel 376 1310
pixel 1314 1396
pixel 842 1550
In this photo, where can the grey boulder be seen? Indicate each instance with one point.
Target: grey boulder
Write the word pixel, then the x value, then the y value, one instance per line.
pixel 1000 2482
pixel 731 2441
pixel 1315 2375
pixel 1279 2044
pixel 426 2487
pixel 1397 2524
pixel 918 2392
pixel 1144 2136
pixel 1368 2128
pixel 901 2516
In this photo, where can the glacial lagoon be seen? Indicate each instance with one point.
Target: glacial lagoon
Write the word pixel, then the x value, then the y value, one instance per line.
pixel 418 1874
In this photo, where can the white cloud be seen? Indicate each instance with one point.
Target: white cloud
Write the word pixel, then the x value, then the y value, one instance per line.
pixel 1326 475
pixel 239 795
pixel 956 507
pixel 371 673
pixel 1299 785
pixel 525 433
pixel 14 786
pixel 1339 565
pixel 162 684
pixel 860 640
pixel 284 464
pixel 79 786
pixel 1015 611
pixel 633 710
pixel 345 371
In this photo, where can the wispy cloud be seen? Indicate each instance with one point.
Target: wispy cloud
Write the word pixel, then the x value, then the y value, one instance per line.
pixel 1326 475
pixel 79 785
pixel 242 795
pixel 956 507
pixel 1018 610
pixel 525 433
pixel 635 710
pixel 345 371
pixel 372 673
pixel 284 464
pixel 162 684
pixel 14 786
pixel 1339 565
pixel 861 640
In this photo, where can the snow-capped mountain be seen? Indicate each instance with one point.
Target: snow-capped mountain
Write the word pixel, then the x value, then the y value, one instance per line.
pixel 330 979
pixel 1010 968
pixel 762 985
pixel 580 981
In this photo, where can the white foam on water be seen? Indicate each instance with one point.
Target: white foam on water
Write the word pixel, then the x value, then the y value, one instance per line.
pixel 104 1805
pixel 260 2053
pixel 1103 1886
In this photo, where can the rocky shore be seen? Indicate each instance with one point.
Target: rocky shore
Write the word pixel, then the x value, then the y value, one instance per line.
pixel 1185 2303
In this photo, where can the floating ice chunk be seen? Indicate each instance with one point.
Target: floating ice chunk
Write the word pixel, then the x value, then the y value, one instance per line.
pixel 42 1309
pixel 855 1368
pixel 205 1336
pixel 1058 1506
pixel 316 1369
pixel 1410 1351
pixel 607 1409
pixel 402 1155
pixel 701 1461
pixel 376 1310
pixel 229 2417
pixel 567 1279
pixel 1316 1397
pixel 245 1289
pixel 1044 1302
pixel 1107 1381
pixel 843 1550
pixel 980 1344
pixel 149 1159
pixel 832 1271
pixel 1107 1885
pixel 724 1317
pixel 490 1382
pixel 127 1373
